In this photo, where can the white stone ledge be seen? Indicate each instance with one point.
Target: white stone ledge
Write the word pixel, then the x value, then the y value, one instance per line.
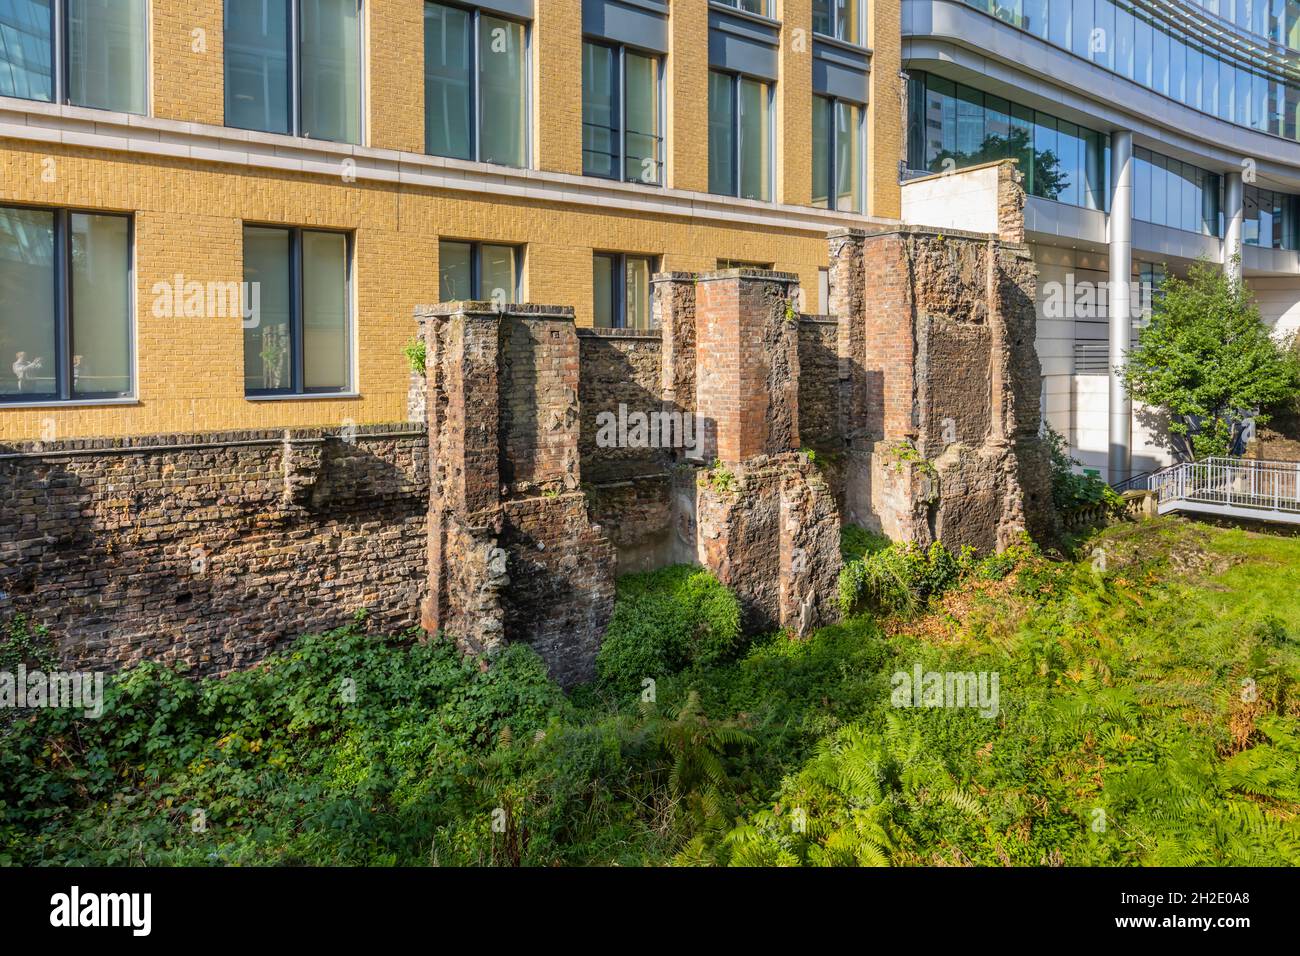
pixel 34 122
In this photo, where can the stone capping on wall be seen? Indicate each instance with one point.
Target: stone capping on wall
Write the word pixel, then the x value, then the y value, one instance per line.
pixel 649 335
pixel 765 275
pixel 140 444
pixel 926 231
pixel 818 319
pixel 523 310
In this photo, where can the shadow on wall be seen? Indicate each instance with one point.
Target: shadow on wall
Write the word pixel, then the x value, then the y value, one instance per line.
pixel 209 551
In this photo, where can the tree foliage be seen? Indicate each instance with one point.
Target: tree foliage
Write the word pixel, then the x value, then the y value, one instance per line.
pixel 1208 361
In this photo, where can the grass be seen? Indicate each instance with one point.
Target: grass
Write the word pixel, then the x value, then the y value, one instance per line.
pixel 1148 713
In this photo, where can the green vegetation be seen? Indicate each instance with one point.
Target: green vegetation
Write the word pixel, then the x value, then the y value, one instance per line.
pixel 1071 490
pixel 1209 362
pixel 1148 713
pixel 415 352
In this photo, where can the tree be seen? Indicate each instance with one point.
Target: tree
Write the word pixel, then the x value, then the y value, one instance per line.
pixel 1042 168
pixel 1209 362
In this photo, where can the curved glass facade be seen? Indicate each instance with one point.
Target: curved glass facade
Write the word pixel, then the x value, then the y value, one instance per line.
pixel 1135 43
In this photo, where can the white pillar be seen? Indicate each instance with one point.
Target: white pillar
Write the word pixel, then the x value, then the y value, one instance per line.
pixel 1120 456
pixel 1233 216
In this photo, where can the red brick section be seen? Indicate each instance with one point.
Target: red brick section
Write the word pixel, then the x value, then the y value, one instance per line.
pixel 747 363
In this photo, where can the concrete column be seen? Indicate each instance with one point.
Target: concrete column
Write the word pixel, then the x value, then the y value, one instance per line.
pixel 1233 217
pixel 1120 458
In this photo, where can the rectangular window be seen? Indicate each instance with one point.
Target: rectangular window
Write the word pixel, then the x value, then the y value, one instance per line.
pixel 65 305
pixel 762 7
pixel 299 339
pixel 475 86
pixel 479 272
pixel 294 67
pixel 837 147
pixel 103 46
pixel 841 19
pixel 621 290
pixel 622 130
pixel 740 136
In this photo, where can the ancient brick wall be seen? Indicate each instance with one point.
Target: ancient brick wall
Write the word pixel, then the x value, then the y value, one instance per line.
pixel 212 549
pixel 620 373
pixel 819 383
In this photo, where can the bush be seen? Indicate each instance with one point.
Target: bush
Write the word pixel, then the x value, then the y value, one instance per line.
pixel 665 621
pixel 1071 490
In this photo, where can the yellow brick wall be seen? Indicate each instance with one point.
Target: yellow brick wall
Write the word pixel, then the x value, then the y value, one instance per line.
pixel 189 215
pixel 557 85
pixel 395 75
pixel 189 218
pixel 794 104
pixel 688 95
pixel 885 128
pixel 186 44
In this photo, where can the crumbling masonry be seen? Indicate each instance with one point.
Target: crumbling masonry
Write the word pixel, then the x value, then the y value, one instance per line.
pixel 504 511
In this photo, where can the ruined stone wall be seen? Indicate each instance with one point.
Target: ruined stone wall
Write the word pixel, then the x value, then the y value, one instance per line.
pixel 212 549
pixel 819 383
pixel 944 375
pixel 620 375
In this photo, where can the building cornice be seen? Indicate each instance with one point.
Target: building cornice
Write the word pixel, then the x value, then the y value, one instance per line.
pixel 33 122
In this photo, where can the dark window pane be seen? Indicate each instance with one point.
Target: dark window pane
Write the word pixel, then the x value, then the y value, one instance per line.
pixel 27 309
pixel 257 65
pixel 267 338
pixel 448 86
pixel 26 49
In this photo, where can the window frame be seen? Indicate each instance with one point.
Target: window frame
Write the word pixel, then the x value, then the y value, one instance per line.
pixel 620 97
pixel 297 353
pixel 736 78
pixel 476 97
pixel 767 10
pixel 295 79
pixel 60 61
pixel 476 268
pixel 618 301
pixel 832 103
pixel 63 312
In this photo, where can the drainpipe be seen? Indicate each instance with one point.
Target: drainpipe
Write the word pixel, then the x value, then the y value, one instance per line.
pixel 1120 456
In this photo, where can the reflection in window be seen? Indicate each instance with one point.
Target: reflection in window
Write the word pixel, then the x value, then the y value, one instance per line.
pixel 841 19
pixel 622 132
pixel 1171 193
pixel 1112 35
pixel 268 70
pixel 475 86
pixel 104 46
pixel 740 136
pixel 299 340
pixel 1270 219
pixel 837 148
pixel 65 305
pixel 621 291
pixel 952 126
pixel 478 272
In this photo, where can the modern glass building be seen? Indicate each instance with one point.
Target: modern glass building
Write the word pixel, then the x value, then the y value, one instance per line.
pixel 1150 134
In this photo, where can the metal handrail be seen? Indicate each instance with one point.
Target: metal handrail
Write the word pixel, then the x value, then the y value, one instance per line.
pixel 1239 483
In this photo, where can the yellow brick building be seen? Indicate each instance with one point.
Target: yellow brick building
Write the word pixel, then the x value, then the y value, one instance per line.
pixel 191 180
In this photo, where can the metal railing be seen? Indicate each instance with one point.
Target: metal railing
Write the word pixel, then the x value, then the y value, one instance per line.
pixel 1267 490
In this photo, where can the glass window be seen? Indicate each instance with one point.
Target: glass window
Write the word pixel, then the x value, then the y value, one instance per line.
pixel 475 86
pixel 1035 17
pixel 479 271
pixel 740 136
pixel 761 7
pixel 841 19
pixel 837 155
pixel 622 133
pixel 104 44
pixel 268 70
pixel 448 81
pixel 65 305
pixel 257 65
pixel 1101 44
pixel 331 70
pixel 299 340
pixel 1059 12
pixel 621 291
pixel 27 49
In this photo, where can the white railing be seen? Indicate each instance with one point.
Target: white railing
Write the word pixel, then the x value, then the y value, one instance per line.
pixel 1231 486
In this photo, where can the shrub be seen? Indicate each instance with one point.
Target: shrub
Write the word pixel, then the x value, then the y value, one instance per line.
pixel 665 621
pixel 1071 490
